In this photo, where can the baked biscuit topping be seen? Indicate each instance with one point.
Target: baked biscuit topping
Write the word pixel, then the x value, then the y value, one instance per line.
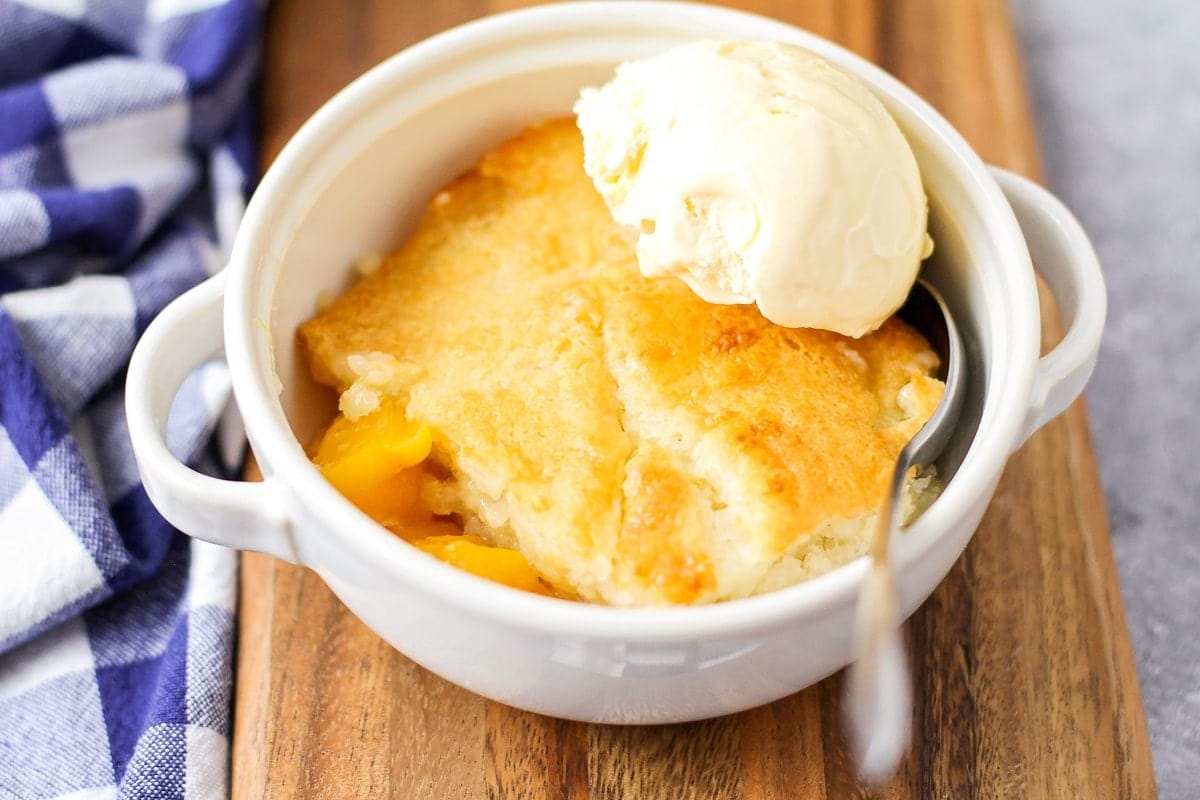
pixel 637 445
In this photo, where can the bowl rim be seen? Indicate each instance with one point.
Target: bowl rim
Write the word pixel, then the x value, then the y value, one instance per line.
pixel 283 459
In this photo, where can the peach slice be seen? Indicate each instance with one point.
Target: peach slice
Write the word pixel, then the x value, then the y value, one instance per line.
pixel 375 462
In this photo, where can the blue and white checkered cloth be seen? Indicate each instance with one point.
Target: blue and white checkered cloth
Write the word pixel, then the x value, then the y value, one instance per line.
pixel 126 146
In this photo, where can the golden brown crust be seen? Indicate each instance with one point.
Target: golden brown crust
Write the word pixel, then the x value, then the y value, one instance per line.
pixel 640 445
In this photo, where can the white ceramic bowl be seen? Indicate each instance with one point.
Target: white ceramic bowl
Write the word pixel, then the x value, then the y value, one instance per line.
pixel 353 180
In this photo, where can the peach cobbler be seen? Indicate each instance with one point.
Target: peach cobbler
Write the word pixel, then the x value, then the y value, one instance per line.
pixel 518 400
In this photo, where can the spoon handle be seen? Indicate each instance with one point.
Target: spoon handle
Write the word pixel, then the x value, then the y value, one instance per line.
pixel 879 689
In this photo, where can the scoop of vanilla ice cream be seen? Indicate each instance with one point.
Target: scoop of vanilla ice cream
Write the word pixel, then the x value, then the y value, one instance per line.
pixel 760 173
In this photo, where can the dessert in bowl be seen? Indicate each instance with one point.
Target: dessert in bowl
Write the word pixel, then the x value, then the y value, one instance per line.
pixel 638 445
pixel 354 181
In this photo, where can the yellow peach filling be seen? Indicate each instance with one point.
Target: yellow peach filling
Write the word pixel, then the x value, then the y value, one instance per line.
pixel 378 462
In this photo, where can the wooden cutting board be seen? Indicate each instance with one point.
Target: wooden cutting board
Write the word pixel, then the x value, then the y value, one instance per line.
pixel 1025 681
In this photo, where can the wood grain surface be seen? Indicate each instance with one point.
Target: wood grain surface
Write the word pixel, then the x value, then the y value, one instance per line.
pixel 1025 678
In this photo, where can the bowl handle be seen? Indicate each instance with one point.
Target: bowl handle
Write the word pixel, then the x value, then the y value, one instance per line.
pixel 244 515
pixel 1065 258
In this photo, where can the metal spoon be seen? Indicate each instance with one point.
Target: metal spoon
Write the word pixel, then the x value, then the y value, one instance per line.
pixel 878 692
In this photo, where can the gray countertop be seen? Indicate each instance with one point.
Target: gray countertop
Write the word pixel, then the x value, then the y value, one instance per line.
pixel 1116 88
